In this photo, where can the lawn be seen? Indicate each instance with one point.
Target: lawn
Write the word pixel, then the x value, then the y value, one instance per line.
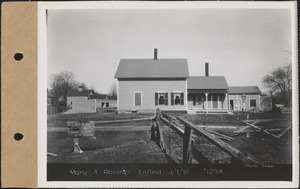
pixel 94 117
pixel 108 147
pixel 129 142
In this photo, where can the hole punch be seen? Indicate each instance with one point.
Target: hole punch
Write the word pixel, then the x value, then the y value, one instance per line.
pixel 18 56
pixel 18 136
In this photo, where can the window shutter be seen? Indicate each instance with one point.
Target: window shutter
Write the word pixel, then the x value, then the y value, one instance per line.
pixel 172 99
pixel 156 99
pixel 182 98
pixel 194 99
pixel 166 98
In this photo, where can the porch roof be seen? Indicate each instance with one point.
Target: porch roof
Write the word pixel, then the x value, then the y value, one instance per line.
pixel 75 93
pixel 207 82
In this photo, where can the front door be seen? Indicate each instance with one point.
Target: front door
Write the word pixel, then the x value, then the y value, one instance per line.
pixel 231 105
pixel 215 101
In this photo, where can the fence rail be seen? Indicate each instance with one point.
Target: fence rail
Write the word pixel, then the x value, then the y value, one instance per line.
pixel 188 149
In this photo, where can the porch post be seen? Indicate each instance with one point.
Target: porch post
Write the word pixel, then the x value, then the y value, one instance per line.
pixel 226 99
pixel 206 102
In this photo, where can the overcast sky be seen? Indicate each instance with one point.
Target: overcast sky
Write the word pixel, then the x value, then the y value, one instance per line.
pixel 241 44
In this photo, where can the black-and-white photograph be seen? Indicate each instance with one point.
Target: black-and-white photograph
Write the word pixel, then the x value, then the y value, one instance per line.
pixel 169 94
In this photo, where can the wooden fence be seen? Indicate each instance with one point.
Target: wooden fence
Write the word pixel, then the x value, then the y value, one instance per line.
pixel 188 148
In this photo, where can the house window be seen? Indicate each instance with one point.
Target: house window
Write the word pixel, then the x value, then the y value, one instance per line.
pixel 137 98
pixel 252 102
pixel 177 98
pixel 161 98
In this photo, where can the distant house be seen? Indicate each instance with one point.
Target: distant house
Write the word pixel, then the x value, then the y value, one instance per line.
pixel 148 84
pixel 87 101
pixel 79 101
pixel 104 101
pixel 51 109
pixel 78 95
pixel 252 96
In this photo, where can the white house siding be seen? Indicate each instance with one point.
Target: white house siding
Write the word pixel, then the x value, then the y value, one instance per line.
pixel 111 103
pixel 75 99
pixel 238 97
pixel 87 106
pixel 148 88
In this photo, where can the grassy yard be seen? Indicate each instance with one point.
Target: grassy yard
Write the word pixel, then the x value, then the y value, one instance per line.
pixel 94 117
pixel 133 145
pixel 108 147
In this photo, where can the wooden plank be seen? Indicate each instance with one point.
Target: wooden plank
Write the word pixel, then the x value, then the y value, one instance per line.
pixel 186 145
pixel 125 120
pixel 217 126
pixel 242 130
pixel 161 137
pixel 177 129
pixel 221 144
pixel 219 134
pixel 273 129
pixel 260 129
pixel 262 120
pixel 284 131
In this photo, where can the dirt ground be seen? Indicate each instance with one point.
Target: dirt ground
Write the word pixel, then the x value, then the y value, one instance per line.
pixel 130 142
pixel 110 146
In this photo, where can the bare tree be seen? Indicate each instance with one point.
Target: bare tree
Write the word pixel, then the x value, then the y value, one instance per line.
pixel 279 81
pixel 61 84
pixel 113 90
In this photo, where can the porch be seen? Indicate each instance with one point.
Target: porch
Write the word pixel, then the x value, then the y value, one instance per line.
pixel 207 101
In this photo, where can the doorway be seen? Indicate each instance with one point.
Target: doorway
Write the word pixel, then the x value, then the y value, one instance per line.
pixel 231 105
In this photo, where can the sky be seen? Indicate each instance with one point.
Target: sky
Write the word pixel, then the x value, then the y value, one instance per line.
pixel 241 44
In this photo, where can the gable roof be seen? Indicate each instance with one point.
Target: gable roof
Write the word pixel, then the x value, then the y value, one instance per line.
pixel 207 82
pixel 98 96
pixel 150 68
pixel 80 93
pixel 244 89
pixel 102 96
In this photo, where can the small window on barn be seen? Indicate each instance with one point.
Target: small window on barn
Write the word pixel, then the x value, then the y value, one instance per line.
pixel 161 98
pixel 177 98
pixel 137 98
pixel 252 103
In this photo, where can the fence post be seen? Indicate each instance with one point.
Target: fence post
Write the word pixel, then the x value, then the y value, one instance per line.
pixel 153 131
pixel 186 145
pixel 160 131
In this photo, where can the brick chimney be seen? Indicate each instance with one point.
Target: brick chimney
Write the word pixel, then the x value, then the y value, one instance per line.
pixel 155 54
pixel 206 69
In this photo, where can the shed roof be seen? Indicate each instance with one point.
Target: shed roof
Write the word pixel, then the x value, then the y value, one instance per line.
pixel 98 96
pixel 207 82
pixel 244 89
pixel 151 68
pixel 80 93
